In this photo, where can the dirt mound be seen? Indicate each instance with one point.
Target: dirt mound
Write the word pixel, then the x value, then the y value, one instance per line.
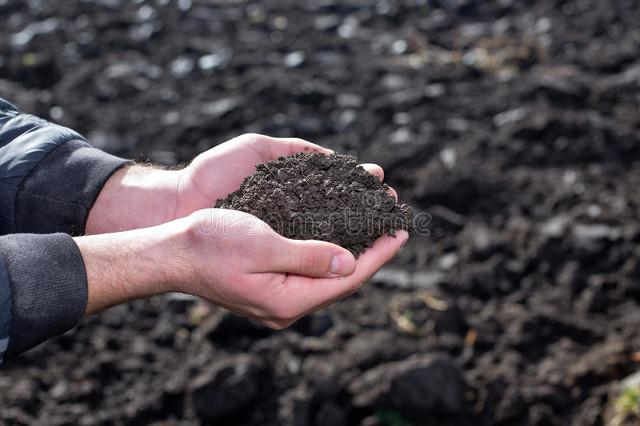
pixel 311 196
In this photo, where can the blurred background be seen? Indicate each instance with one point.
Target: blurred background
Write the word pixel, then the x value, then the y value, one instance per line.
pixel 514 124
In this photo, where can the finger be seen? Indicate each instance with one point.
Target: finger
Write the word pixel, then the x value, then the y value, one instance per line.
pixel 384 249
pixel 314 293
pixel 284 147
pixel 374 169
pixel 308 258
pixel 378 172
pixel 392 192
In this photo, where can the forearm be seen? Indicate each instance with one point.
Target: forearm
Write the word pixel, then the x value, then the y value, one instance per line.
pixel 134 197
pixel 127 265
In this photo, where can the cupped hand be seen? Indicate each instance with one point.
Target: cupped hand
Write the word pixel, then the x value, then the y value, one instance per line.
pixel 235 260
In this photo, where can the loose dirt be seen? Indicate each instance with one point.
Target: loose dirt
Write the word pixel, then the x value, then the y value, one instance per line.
pixel 321 197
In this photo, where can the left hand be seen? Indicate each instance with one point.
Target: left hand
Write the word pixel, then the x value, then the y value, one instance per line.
pixel 142 196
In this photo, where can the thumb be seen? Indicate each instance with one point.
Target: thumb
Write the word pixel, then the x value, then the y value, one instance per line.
pixel 310 258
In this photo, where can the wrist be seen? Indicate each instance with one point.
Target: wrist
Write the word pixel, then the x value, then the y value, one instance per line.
pixel 128 265
pixel 134 197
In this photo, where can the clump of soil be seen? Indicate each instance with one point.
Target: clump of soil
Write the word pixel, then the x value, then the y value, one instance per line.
pixel 321 197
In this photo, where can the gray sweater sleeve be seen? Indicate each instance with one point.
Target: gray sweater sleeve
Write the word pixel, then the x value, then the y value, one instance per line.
pixel 49 179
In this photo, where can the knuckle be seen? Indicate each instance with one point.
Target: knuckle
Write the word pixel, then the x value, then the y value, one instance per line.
pixel 313 261
pixel 304 262
pixel 254 137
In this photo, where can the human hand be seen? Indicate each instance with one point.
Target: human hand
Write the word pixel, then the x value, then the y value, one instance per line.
pixel 219 171
pixel 232 259
pixel 143 196
pixel 268 277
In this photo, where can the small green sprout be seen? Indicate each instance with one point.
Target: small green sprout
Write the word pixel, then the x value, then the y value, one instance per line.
pixel 627 406
pixel 628 402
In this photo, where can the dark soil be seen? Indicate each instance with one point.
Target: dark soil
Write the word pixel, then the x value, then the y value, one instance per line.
pixel 512 125
pixel 312 196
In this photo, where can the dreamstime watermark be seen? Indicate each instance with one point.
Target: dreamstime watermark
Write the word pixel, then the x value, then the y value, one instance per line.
pixel 346 221
pixel 366 215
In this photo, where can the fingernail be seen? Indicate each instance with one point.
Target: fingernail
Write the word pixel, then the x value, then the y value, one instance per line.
pixel 341 264
pixel 405 235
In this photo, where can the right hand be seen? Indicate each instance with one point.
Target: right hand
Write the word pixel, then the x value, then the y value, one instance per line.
pixel 232 259
pixel 239 262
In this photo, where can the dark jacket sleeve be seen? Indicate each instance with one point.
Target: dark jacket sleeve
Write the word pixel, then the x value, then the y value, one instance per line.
pixel 49 179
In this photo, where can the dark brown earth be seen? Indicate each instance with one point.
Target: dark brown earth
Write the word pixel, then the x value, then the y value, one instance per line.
pixel 311 196
pixel 513 124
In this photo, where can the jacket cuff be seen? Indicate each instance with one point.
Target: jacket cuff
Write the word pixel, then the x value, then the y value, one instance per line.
pixel 5 309
pixel 58 194
pixel 48 285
